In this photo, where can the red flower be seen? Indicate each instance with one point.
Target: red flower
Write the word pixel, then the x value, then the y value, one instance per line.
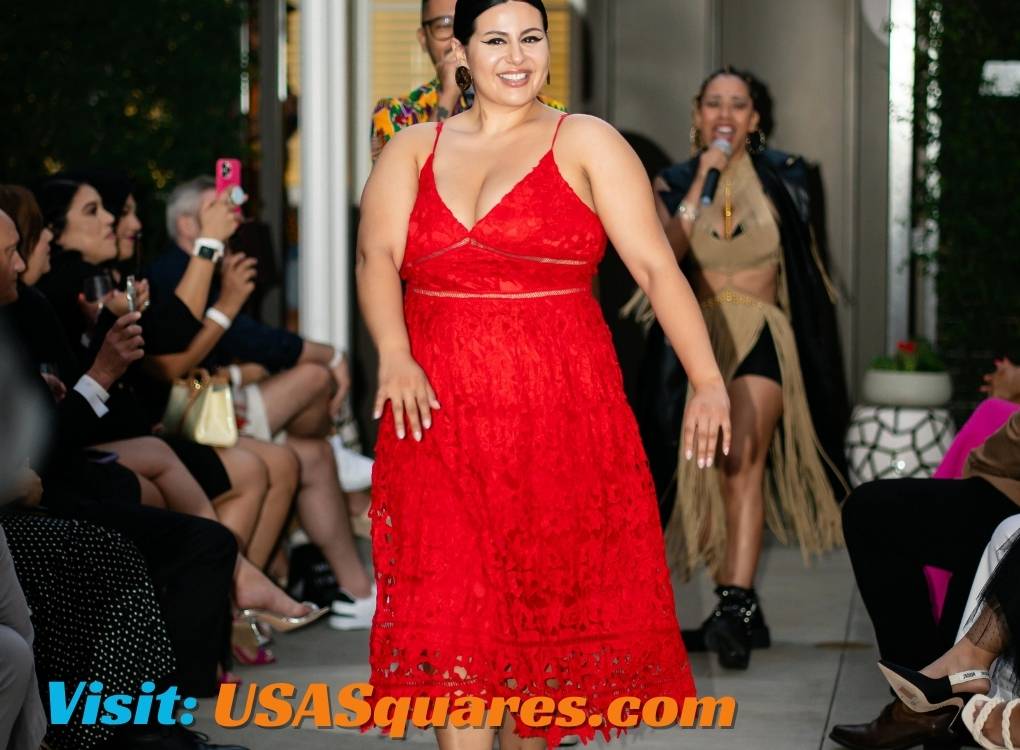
pixel 907 347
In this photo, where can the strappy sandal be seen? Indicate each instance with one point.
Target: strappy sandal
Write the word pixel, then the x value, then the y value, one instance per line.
pixel 283 623
pixel 975 716
pixel 248 644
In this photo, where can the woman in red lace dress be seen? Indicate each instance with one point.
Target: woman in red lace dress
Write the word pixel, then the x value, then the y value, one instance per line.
pixel 515 529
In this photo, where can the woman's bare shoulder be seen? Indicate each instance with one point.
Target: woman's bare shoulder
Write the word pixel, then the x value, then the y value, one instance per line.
pixel 413 142
pixel 585 127
pixel 585 136
pixel 586 141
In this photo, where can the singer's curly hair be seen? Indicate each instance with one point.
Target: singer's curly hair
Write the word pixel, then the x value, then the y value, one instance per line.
pixel 759 92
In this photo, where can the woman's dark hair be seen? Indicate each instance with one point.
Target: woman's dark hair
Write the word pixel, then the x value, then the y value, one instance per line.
pixel 54 195
pixel 759 92
pixel 113 187
pixel 19 203
pixel 467 13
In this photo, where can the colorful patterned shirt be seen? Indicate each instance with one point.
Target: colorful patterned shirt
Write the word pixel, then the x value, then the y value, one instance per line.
pixel 391 115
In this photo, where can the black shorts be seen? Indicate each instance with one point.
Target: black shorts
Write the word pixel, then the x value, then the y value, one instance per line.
pixel 203 463
pixel 762 360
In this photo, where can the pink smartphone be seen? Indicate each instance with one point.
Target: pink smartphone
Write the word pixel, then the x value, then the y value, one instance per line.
pixel 228 178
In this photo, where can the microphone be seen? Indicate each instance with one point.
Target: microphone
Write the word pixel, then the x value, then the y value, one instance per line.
pixel 712 178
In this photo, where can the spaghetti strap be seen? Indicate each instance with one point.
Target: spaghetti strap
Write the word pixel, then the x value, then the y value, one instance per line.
pixel 439 129
pixel 556 133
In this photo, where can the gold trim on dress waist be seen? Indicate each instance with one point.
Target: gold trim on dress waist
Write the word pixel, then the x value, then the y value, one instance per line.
pixel 733 298
pixel 496 295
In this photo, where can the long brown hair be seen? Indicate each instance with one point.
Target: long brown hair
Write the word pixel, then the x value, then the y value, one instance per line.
pixel 19 203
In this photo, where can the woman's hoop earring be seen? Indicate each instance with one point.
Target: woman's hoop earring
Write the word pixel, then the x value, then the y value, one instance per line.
pixel 696 144
pixel 464 79
pixel 755 145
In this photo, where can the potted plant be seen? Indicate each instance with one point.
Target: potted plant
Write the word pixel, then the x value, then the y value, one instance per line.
pixel 913 376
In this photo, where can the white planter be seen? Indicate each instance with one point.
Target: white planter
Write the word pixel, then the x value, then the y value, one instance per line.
pixel 892 388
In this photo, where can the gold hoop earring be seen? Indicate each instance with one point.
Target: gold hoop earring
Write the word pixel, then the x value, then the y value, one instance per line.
pixel 464 79
pixel 755 145
pixel 696 143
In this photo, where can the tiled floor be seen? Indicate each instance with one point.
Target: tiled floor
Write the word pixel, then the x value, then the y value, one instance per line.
pixel 820 670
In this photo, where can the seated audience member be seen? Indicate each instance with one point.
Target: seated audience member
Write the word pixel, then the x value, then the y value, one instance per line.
pixel 22 718
pixel 75 211
pixel 317 498
pixel 300 399
pixel 961 674
pixel 177 354
pixel 1003 677
pixel 1002 386
pixel 94 609
pixel 892 529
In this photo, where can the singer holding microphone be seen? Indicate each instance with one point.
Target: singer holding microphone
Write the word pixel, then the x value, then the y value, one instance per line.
pixel 737 218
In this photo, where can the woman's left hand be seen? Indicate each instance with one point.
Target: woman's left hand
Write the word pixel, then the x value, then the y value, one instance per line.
pixel 706 414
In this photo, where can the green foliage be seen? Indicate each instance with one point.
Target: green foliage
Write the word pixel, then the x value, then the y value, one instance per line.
pixel 148 87
pixel 911 356
pixel 978 190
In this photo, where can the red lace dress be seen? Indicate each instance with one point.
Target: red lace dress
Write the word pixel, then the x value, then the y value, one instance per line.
pixel 518 549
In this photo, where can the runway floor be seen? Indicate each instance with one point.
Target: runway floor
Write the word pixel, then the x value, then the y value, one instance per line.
pixel 820 670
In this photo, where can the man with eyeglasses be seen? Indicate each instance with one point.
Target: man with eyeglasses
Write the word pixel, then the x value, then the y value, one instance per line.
pixel 439 98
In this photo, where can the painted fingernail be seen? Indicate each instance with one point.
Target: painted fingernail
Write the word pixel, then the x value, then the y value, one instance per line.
pixel 701 463
pixel 417 436
pixel 690 455
pixel 709 463
pixel 400 433
pixel 427 423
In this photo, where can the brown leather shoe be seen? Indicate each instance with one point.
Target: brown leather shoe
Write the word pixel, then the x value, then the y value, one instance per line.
pixel 898 728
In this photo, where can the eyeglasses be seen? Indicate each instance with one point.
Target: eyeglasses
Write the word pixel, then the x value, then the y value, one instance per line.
pixel 440 27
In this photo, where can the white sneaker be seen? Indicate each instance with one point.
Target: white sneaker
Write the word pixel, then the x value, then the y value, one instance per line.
pixel 350 613
pixel 355 470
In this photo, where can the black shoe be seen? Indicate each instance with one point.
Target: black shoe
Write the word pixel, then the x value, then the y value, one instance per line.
pixel 311 579
pixel 925 694
pixel 735 626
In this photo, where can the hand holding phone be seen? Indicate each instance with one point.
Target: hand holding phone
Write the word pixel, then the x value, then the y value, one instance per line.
pixel 219 219
pixel 228 180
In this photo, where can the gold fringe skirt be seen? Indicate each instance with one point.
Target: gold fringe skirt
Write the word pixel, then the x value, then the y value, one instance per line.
pixel 799 501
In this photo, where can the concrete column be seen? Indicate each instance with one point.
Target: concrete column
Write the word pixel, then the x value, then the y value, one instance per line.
pixel 272 30
pixel 902 39
pixel 324 254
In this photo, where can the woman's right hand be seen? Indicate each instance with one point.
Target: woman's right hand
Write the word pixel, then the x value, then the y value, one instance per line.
pixel 711 158
pixel 122 345
pixel 218 220
pixel 404 384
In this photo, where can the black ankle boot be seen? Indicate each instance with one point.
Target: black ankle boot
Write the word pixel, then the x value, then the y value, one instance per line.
pixel 735 626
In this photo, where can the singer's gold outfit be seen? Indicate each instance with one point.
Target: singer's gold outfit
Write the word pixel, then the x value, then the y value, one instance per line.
pixel 799 499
